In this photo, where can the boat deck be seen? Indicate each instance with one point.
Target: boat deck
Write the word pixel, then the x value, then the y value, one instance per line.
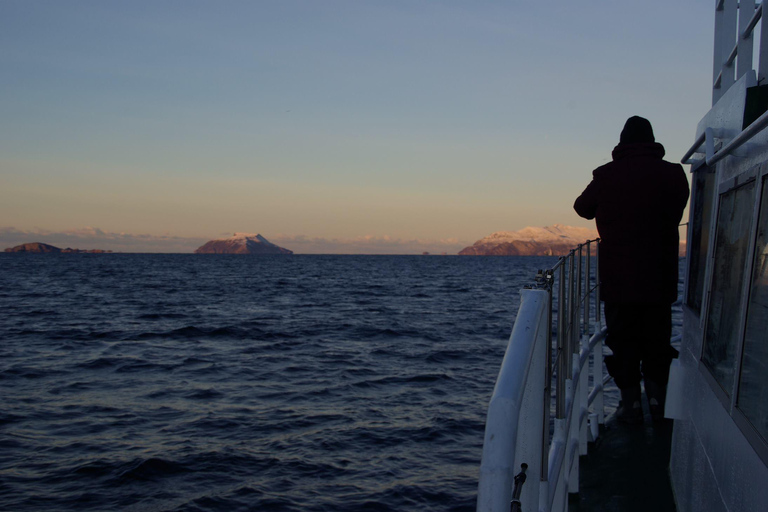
pixel 626 469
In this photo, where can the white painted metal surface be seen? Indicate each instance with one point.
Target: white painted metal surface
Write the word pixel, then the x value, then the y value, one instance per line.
pixel 725 40
pixel 515 429
pixel 735 24
pixel 512 438
pixel 674 407
pixel 716 462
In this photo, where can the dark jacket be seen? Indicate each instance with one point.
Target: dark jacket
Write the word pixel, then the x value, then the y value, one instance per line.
pixel 637 201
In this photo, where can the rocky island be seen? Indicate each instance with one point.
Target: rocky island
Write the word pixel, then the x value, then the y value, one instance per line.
pixel 242 243
pixel 555 240
pixel 41 248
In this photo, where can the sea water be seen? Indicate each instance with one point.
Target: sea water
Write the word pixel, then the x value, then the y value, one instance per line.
pixel 227 382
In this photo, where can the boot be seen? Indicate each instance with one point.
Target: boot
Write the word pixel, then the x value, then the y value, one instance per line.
pixel 630 411
pixel 656 395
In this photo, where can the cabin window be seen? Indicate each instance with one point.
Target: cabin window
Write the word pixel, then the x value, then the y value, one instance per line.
pixel 724 313
pixel 701 220
pixel 753 381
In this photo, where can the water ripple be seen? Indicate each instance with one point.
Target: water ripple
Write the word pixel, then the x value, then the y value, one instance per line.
pixel 303 383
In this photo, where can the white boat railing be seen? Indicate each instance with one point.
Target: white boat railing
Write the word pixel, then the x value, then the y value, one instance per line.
pixel 518 429
pixel 741 44
pixel 735 23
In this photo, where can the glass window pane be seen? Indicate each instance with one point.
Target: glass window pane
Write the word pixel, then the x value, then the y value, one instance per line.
pixel 753 383
pixel 723 318
pixel 701 220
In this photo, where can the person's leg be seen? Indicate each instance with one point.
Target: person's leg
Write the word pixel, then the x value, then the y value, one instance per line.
pixel 657 355
pixel 622 338
pixel 624 364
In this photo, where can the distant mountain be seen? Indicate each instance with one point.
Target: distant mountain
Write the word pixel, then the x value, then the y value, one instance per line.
pixel 242 243
pixel 554 240
pixel 39 248
pixel 33 247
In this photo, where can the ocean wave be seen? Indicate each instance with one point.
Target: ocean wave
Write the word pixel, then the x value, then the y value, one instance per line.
pixel 150 469
pixel 192 332
pixel 169 382
pixel 99 363
pixel 161 316
pixel 138 365
pixel 204 394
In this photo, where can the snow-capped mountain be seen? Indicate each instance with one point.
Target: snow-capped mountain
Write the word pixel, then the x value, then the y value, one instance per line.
pixel 242 243
pixel 554 240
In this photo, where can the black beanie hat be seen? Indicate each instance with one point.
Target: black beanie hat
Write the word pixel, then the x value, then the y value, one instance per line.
pixel 637 130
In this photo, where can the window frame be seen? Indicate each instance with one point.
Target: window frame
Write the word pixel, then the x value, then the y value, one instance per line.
pixel 755 438
pixel 696 196
pixel 758 174
pixel 727 397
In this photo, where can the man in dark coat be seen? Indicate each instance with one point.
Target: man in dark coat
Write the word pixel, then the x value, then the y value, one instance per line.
pixel 638 201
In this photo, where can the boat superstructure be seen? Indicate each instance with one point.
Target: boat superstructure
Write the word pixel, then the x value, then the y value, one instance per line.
pixel 718 391
pixel 719 455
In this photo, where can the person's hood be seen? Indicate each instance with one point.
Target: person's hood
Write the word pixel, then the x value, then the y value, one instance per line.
pixel 643 149
pixel 637 130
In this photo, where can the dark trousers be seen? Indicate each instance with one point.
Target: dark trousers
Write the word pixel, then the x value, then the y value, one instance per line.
pixel 638 335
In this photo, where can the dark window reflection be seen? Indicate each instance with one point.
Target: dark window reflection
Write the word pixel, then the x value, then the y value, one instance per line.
pixel 753 384
pixel 701 220
pixel 731 245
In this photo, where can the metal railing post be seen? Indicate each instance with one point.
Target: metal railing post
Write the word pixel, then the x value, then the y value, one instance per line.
pixel 745 44
pixel 579 296
pixel 597 357
pixel 725 38
pixel 571 314
pixel 587 291
pixel 598 314
pixel 578 408
pixel 547 386
pixel 561 345
pixel 762 69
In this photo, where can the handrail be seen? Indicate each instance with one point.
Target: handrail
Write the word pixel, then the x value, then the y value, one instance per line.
pixel 504 421
pixel 707 138
pixel 740 139
pixel 753 22
pixel 735 24
pixel 524 382
pixel 696 145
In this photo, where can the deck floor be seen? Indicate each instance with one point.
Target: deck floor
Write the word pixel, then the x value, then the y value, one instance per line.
pixel 626 469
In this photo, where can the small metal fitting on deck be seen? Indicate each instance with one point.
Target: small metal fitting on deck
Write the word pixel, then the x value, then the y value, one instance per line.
pixel 543 281
pixel 519 481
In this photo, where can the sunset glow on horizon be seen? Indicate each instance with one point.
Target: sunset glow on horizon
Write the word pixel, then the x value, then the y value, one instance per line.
pixel 391 127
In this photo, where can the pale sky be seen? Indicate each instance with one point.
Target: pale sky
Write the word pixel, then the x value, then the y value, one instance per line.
pixel 326 125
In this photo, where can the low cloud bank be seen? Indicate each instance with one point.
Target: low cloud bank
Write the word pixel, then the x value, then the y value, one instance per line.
pixel 95 238
pixel 368 244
